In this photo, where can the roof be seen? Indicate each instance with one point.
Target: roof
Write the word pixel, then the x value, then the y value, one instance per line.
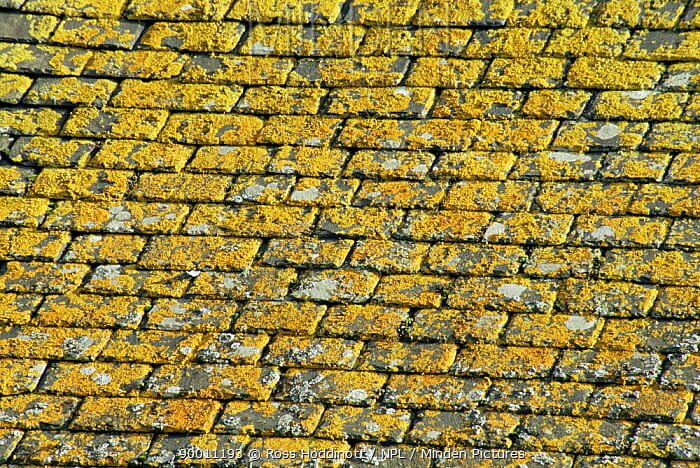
pixel 240 227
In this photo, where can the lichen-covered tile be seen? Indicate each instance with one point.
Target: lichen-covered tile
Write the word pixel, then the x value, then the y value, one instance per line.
pixel 183 10
pixel 479 165
pixel 558 14
pixel 640 13
pixel 179 448
pixel 380 40
pixel 673 136
pixel 29 212
pixel 17 309
pixel 539 396
pixel 201 36
pixel 42 59
pixel 300 450
pixel 340 72
pixel 635 165
pixel 74 184
pixel 15 180
pixel 211 129
pixel 389 256
pixel 442 134
pixel 121 217
pixel 145 415
pixel 584 136
pixel 385 102
pixel 477 103
pixel 307 252
pixel 20 375
pixel 555 103
pixel 606 298
pixel 464 428
pixel 533 72
pixel 627 231
pixel 299 318
pixel 250 221
pixel 445 72
pixel 257 283
pixel 321 353
pixel 269 418
pixel 89 310
pixel 371 222
pixel 640 403
pixel 609 73
pixel 332 386
pixel 230 159
pixel 90 122
pixel 89 8
pixel 178 96
pixel 555 331
pixel 308 161
pixel 141 155
pixel 424 225
pixel 574 435
pixel 681 77
pixel 9 439
pixel 528 228
pixel 30 121
pixel 515 135
pixel 102 248
pixel 412 290
pixel 311 191
pixel 235 69
pixel 592 41
pixel 508 42
pixel 339 40
pixel 388 134
pixel 44 448
pixel 662 336
pixel 40 277
pixel 672 267
pixel 298 130
pixel 94 378
pixel 210 381
pixel 608 366
pixel 510 362
pixel 387 164
pixel 450 325
pixel 692 109
pixel 70 91
pixel 435 391
pixel 345 285
pixel 659 199
pixel 365 322
pixel 477 13
pixel 281 100
pixel 639 105
pixel 192 315
pixel 685 168
pixel 229 348
pixel 664 45
pixel 352 422
pixel 145 64
pixel 117 279
pixel 268 190
pixel 677 302
pixel 589 461
pixel 517 294
pixel 683 372
pixel 472 259
pixel 563 262
pixel 391 356
pixel 101 33
pixel 583 198
pixel 13 87
pixel 199 253
pixel 150 346
pixel 72 344
pixel 29 28
pixel 557 165
pixel 675 441
pixel 286 11
pixel 400 194
pixel 26 244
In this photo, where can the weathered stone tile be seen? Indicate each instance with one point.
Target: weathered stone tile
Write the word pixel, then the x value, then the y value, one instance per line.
pixel 310 191
pixel 107 33
pixel 105 248
pixel 294 317
pixel 178 96
pixel 201 36
pixel 677 441
pixel 250 221
pixel 308 161
pixel 389 256
pixel 510 362
pixel 640 403
pixel 352 422
pixel 36 411
pixel 261 283
pixel 412 290
pixel 94 378
pixel 463 258
pixel 606 298
pixel 450 325
pixel 199 253
pixel 683 372
pixel 269 418
pixel 608 366
pixel 41 277
pixel 554 331
pixel 20 375
pixel 407 357
pixel 150 346
pixel 119 280
pixel 281 100
pixel 336 285
pixel 192 315
pixel 385 164
pixel 90 310
pixel 332 386
pixel 321 353
pixel 267 190
pixel 231 348
pixel 540 397
pixel 635 165
pixel 435 391
pixel 365 321
pixel 464 427
pixel 17 309
pixel 307 252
